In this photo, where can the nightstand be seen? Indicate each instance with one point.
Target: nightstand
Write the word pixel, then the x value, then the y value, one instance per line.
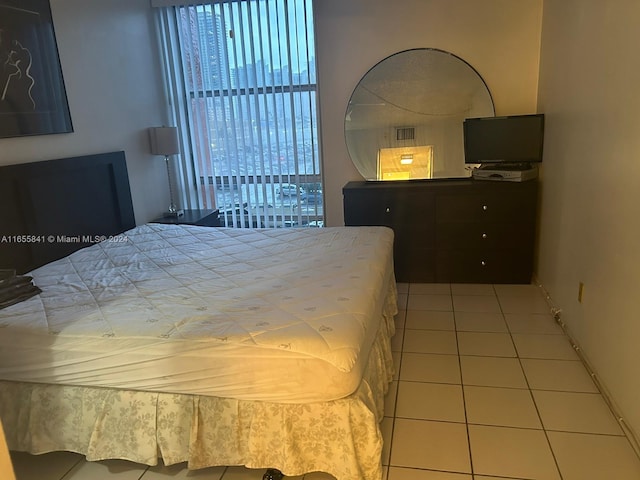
pixel 202 218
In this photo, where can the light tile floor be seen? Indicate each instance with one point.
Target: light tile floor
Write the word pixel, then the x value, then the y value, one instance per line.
pixel 487 387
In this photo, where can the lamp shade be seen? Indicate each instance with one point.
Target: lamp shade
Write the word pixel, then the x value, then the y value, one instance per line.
pixel 164 140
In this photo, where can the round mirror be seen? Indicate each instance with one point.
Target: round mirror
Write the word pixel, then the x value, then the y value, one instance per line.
pixel 404 118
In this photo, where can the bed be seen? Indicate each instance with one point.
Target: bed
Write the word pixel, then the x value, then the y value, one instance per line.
pixel 268 348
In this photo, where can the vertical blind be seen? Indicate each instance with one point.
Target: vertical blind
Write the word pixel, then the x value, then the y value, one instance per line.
pixel 243 79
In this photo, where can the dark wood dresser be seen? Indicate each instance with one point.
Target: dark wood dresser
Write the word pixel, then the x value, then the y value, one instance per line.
pixel 452 231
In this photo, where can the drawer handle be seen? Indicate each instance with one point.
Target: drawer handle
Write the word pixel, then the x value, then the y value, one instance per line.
pixel 388 210
pixel 485 208
pixel 483 263
pixel 484 235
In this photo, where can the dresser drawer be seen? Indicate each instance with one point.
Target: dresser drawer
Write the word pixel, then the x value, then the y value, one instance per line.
pixel 371 208
pixel 484 266
pixel 484 235
pixel 415 210
pixel 485 207
pixel 390 208
pixel 414 265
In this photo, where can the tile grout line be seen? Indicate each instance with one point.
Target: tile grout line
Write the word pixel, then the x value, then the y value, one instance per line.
pixel 464 399
pixel 144 473
pixel 80 459
pixel 535 405
pixel 395 404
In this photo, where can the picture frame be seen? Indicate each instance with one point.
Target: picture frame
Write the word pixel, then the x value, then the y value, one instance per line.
pixel 33 99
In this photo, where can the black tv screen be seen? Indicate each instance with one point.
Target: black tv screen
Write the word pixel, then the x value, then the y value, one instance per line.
pixel 512 139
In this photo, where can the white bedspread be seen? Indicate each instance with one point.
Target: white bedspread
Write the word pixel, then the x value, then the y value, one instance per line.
pixel 275 314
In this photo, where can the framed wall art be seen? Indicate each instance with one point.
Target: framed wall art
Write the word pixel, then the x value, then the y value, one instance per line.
pixel 33 100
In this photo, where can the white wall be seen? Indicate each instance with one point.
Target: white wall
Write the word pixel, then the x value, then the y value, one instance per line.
pixel 112 75
pixel 590 218
pixel 499 38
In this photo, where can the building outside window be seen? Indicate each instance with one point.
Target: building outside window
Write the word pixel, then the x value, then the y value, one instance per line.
pixel 247 90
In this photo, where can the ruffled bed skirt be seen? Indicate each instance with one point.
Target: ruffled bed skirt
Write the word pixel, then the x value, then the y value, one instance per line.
pixel 341 437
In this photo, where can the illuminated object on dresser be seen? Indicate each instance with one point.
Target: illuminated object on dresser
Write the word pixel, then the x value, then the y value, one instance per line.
pixel 405 163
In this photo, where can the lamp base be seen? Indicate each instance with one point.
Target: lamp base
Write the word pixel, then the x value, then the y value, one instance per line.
pixel 173 214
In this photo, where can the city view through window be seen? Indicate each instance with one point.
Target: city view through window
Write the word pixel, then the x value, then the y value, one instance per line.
pixel 249 71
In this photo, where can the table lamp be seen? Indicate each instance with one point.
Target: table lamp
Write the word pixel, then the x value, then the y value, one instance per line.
pixel 164 141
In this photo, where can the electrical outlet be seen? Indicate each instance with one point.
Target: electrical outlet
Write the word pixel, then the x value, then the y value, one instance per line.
pixel 580 291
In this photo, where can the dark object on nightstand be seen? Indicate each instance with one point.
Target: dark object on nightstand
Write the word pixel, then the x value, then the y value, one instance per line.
pixel 202 218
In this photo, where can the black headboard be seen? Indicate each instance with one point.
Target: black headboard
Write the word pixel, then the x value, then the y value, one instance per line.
pixel 50 209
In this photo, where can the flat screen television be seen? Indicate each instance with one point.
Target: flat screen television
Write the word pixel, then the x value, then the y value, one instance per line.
pixel 515 139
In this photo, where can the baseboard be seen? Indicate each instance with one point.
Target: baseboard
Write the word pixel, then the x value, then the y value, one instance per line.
pixel 556 311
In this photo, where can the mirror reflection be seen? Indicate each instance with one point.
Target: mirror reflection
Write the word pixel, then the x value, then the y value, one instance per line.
pixel 404 118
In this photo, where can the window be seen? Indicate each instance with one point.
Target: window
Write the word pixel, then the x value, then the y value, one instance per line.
pixel 243 74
